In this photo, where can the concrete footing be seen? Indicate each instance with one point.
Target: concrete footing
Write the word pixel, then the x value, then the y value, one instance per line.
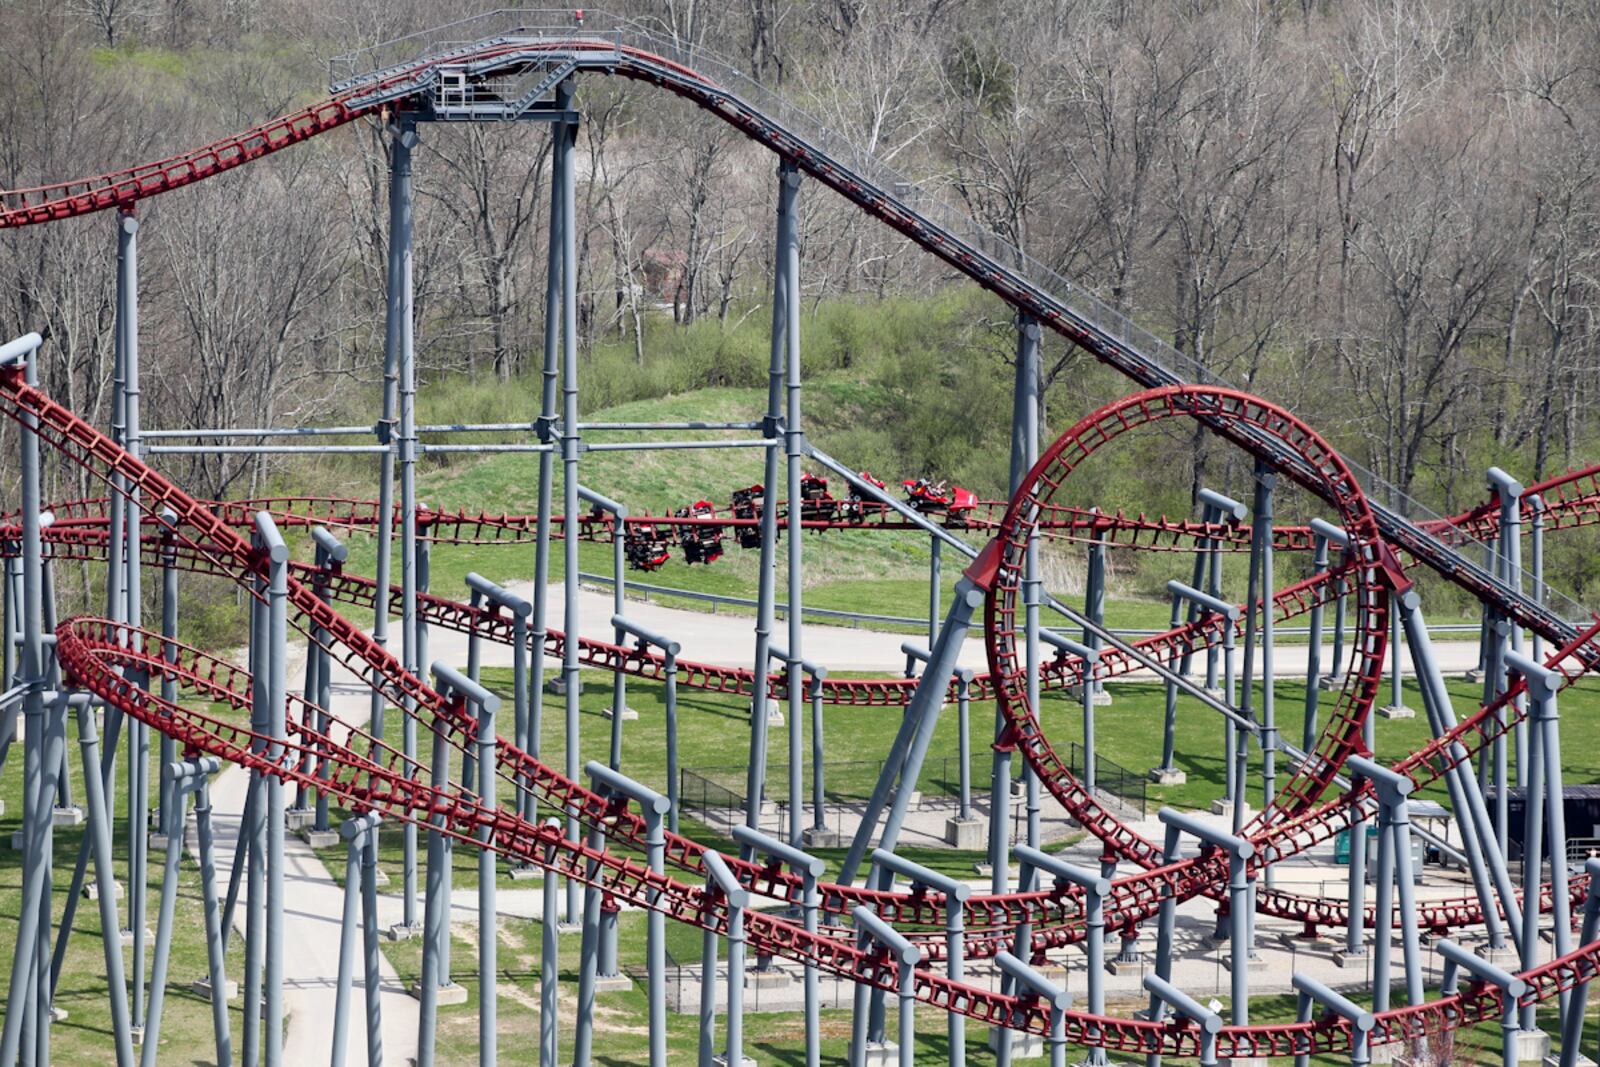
pixel 965 834
pixel 612 983
pixel 403 932
pixel 823 838
pixel 558 686
pixel 525 874
pixel 72 816
pixel 1024 1046
pixel 201 987
pixel 1168 776
pixel 628 714
pixel 320 838
pixel 91 890
pixel 299 818
pixel 449 995
pixel 1345 959
pixel 721 1060
pixel 1397 711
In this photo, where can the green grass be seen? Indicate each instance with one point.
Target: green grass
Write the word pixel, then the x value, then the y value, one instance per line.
pixel 85 1035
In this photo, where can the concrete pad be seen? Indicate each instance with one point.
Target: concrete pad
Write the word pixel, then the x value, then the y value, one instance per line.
pixel 1397 711
pixel 1168 776
pixel 964 834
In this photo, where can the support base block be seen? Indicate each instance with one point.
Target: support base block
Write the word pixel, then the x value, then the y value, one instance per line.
pixel 1533 1046
pixel 149 937
pixel 965 834
pixel 1555 1061
pixel 202 988
pixel 404 931
pixel 768 979
pixel 157 842
pixel 628 714
pixel 1024 1046
pixel 1168 776
pixel 1225 807
pixel 1330 681
pixel 1473 676
pixel 564 927
pixel 1254 965
pixel 1130 963
pixel 448 995
pixel 72 816
pixel 1397 711
pixel 91 890
pixel 525 874
pixel 557 686
pixel 320 838
pixel 1247 1061
pixel 1345 959
pixel 722 1060
pixel 824 838
pixel 299 818
pixel 612 983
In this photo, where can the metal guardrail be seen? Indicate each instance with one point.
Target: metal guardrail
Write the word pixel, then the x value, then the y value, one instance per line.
pixel 782 610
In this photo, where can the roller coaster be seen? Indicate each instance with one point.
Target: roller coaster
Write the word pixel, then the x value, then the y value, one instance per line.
pixel 884 927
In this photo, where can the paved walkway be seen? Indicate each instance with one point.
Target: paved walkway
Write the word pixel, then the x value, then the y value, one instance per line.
pixel 313 910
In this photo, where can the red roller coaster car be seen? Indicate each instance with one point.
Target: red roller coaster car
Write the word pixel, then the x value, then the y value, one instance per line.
pixel 646 546
pixel 701 544
pixel 939 498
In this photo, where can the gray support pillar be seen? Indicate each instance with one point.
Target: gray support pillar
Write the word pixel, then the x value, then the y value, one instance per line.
pixel 549 961
pixel 1536 538
pixel 955 895
pixel 277 700
pixel 1512 989
pixel 1509 491
pixel 964 676
pixel 1095 601
pixel 608 781
pixel 354 831
pixel 875 935
pixel 169 652
pixel 571 445
pixel 253 829
pixel 1033 986
pixel 1024 414
pixel 1576 1006
pixel 923 712
pixel 1319 568
pixel 98 833
pixel 138 732
pixel 588 960
pixel 1544 792
pixel 1468 787
pixel 1166 925
pixel 184 778
pixel 819 824
pixel 1096 886
pixel 809 869
pixel 488 907
pixel 1265 483
pixel 550 379
pixel 216 956
pixel 1239 852
pixel 1335 675
pixel 721 884
pixel 787 243
pixel 1165 994
pixel 935 581
pixel 1361 1021
pixel 403 140
pixel 794 443
pixel 1465 799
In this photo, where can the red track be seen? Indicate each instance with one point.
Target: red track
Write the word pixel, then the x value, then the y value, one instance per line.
pixel 93 651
